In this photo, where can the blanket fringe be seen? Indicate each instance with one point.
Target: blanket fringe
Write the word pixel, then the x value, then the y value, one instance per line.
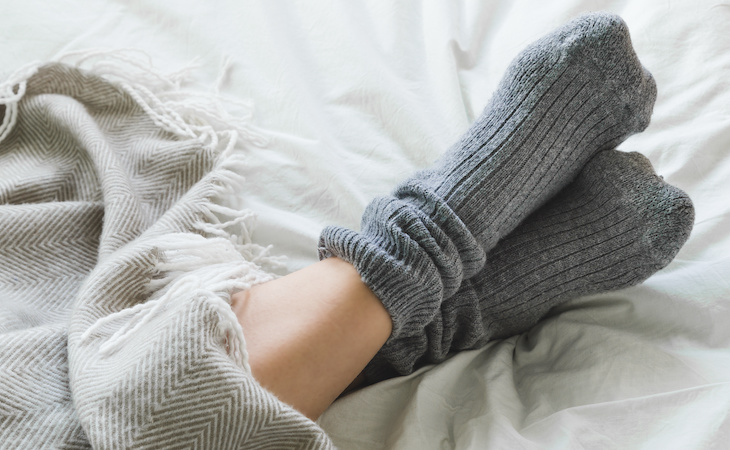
pixel 12 91
pixel 192 266
pixel 183 112
pixel 217 256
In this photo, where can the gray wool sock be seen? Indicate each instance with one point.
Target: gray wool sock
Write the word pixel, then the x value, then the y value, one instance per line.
pixel 572 93
pixel 613 227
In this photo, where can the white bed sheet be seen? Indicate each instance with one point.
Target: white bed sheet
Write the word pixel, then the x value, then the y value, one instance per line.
pixel 354 95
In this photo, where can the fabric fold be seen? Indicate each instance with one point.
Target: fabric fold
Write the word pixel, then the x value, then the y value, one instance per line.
pixel 119 265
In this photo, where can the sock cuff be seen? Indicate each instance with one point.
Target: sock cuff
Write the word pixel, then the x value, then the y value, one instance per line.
pixel 404 287
pixel 412 251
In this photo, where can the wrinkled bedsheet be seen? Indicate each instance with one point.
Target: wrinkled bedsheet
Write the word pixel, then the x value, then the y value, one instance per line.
pixel 352 96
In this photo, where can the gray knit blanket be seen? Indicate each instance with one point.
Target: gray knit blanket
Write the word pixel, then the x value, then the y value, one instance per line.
pixel 116 268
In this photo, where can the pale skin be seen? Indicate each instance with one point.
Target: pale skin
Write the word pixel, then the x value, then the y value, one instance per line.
pixel 311 333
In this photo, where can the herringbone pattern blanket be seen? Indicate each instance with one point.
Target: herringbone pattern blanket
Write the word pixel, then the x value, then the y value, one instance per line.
pixel 116 265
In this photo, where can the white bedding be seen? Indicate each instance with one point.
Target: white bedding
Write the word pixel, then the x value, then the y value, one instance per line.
pixel 353 95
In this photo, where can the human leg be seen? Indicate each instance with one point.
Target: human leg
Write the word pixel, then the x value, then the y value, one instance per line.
pixel 310 333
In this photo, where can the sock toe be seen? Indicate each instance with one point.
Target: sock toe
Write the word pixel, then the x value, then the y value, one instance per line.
pixel 604 40
pixel 666 211
pixel 672 219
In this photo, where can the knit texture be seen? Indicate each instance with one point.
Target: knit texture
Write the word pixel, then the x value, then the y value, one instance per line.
pixel 613 227
pixel 574 92
pixel 115 273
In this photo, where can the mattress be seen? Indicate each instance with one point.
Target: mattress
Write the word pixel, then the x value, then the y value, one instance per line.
pixel 350 97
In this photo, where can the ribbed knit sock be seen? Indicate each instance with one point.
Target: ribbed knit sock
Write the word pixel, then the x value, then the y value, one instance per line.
pixel 613 227
pixel 572 93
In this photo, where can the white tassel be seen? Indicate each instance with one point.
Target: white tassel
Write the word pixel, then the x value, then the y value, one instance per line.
pixel 194 267
pixel 187 114
pixel 12 91
pixel 222 258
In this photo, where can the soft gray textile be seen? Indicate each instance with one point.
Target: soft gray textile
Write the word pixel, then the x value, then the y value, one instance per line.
pixel 614 226
pixel 115 271
pixel 576 91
